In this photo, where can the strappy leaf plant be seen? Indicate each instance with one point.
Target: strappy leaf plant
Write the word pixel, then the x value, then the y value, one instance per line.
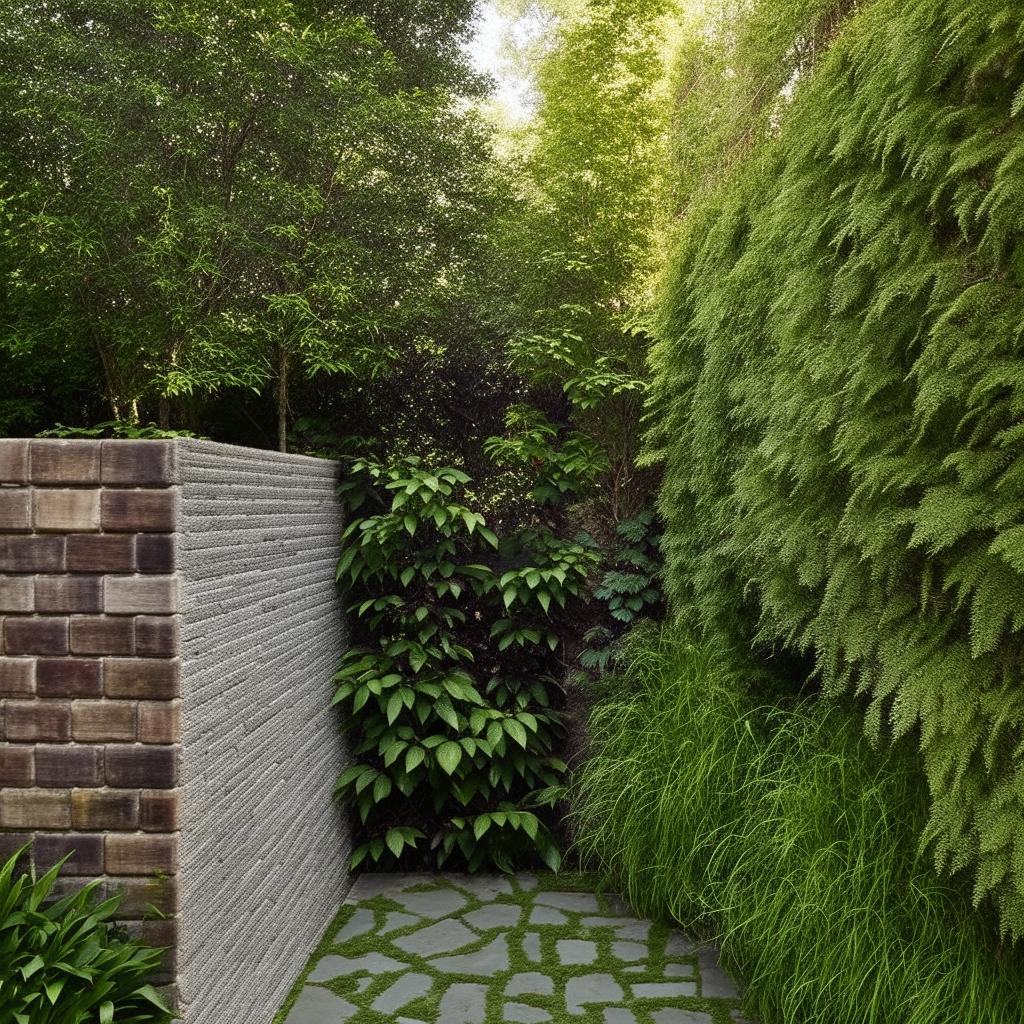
pixel 62 961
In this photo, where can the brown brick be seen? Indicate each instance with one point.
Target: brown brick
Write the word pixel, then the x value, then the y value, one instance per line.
pixel 100 721
pixel 13 461
pixel 102 634
pixel 17 677
pixel 69 594
pixel 162 935
pixel 35 808
pixel 141 678
pixel 67 766
pixel 17 594
pixel 138 462
pixel 29 721
pixel 31 554
pixel 15 510
pixel 65 462
pixel 103 552
pixel 69 677
pixel 159 810
pixel 36 636
pixel 142 767
pixel 155 552
pixel 156 636
pixel 159 721
pixel 139 511
pixel 130 595
pixel 105 809
pixel 13 842
pixel 65 510
pixel 140 896
pixel 84 853
pixel 16 765
pixel 141 855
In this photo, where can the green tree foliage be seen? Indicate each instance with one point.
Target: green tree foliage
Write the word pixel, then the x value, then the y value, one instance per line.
pixel 218 195
pixel 838 404
pixel 582 244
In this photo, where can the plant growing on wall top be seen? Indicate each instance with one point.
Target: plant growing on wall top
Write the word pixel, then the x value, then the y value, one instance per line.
pixel 451 693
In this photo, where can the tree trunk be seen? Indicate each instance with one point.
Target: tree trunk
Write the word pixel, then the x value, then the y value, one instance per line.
pixel 282 401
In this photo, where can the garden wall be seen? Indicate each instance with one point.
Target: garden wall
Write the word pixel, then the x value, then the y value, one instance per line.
pixel 169 626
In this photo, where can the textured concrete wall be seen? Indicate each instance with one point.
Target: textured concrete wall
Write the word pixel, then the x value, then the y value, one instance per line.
pixel 263 859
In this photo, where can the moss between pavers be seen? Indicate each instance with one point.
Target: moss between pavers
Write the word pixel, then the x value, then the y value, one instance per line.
pixel 427 1007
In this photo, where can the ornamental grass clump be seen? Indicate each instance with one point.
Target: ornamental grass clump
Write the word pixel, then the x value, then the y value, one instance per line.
pixel 787 836
pixel 63 961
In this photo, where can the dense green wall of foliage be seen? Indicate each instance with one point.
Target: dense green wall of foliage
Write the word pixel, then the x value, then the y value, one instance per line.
pixel 838 403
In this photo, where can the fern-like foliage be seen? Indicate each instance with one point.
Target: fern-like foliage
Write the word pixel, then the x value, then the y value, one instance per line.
pixel 838 404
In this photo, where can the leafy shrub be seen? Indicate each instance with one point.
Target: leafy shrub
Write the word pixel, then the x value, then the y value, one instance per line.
pixel 837 401
pixel 787 836
pixel 61 961
pixel 451 691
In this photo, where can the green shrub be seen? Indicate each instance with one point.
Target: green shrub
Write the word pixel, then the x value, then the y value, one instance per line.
pixel 785 834
pixel 61 961
pixel 837 400
pixel 452 690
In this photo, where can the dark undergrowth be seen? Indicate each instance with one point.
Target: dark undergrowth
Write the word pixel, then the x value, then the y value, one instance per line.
pixel 787 836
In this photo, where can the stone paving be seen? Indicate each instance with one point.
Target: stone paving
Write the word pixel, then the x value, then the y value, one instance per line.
pixel 456 949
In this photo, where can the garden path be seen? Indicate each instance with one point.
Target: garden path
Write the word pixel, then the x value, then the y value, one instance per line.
pixel 459 949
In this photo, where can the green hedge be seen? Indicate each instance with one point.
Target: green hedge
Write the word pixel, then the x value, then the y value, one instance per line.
pixel 839 404
pixel 792 840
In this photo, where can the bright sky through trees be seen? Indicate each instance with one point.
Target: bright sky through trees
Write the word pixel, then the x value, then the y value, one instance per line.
pixel 489 51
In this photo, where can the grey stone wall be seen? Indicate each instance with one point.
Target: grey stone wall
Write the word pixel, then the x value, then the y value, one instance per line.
pixel 264 849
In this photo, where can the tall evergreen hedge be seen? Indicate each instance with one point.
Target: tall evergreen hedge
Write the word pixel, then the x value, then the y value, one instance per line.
pixel 839 404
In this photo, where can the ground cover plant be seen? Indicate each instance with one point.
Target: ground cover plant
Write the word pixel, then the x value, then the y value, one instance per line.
pixel 62 960
pixel 837 402
pixel 784 833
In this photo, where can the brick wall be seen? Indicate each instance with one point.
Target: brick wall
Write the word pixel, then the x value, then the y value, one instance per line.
pixel 168 627
pixel 89 672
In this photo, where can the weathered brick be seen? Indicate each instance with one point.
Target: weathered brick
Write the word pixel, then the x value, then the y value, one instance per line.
pixel 100 552
pixel 129 595
pixel 69 677
pixel 17 677
pixel 140 895
pixel 141 855
pixel 102 634
pixel 161 935
pixel 35 808
pixel 17 594
pixel 156 636
pixel 159 721
pixel 142 767
pixel 32 721
pixel 15 510
pixel 13 842
pixel 36 636
pixel 155 552
pixel 13 461
pixel 69 594
pixel 139 511
pixel 141 678
pixel 84 853
pixel 68 766
pixel 99 721
pixel 138 462
pixel 105 809
pixel 159 810
pixel 65 510
pixel 16 765
pixel 65 462
pixel 31 554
